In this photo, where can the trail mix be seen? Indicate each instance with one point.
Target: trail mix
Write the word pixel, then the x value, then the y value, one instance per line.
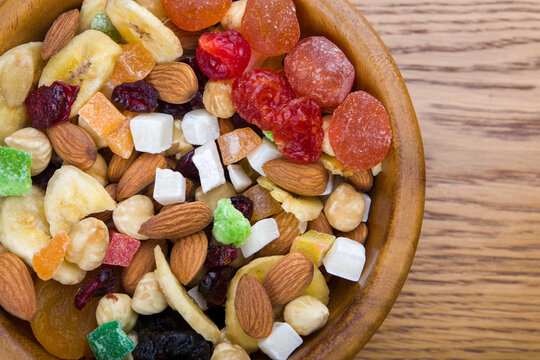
pixel 183 178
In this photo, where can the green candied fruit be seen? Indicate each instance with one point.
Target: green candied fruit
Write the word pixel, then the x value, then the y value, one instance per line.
pixel 269 135
pixel 101 22
pixel 110 342
pixel 230 225
pixel 15 177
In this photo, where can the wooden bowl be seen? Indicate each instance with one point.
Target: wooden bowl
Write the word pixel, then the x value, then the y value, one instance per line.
pixel 357 309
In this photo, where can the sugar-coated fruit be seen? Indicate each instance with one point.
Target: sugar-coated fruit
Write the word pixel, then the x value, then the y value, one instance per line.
pixel 262 154
pixel 230 225
pixel 109 342
pixel 281 343
pixel 101 115
pixel 169 187
pixel 346 259
pixel 313 244
pixel 200 127
pixel 121 249
pixel 102 22
pixel 262 233
pixel 206 159
pixel 240 180
pixel 237 144
pixel 152 133
pixel 49 258
pixel 192 15
pixel 15 172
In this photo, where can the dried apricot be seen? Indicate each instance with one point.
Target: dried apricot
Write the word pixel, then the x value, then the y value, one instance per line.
pixel 271 26
pixel 58 326
pixel 319 70
pixel 193 15
pixel 360 132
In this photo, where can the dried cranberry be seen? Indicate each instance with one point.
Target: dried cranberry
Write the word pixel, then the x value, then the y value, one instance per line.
pixel 214 285
pixel 42 179
pixel 137 96
pixel 186 167
pixel 98 286
pixel 259 95
pixel 299 132
pixel 48 106
pixel 240 123
pixel 243 204
pixel 175 110
pixel 220 256
pixel 223 55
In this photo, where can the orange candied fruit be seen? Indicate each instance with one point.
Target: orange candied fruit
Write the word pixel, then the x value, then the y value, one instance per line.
pixel 135 63
pixel 121 142
pixel 101 115
pixel 193 15
pixel 51 256
pixel 237 144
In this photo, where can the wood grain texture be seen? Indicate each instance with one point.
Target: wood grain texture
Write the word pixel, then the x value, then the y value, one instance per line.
pixel 473 71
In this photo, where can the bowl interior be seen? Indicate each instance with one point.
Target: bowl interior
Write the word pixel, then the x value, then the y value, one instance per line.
pixel 357 309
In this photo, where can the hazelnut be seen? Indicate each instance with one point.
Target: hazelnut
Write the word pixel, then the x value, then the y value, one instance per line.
pixel 233 17
pixel 148 298
pixel 217 98
pixel 69 273
pixel 345 208
pixel 306 314
pixel 34 142
pixel 229 352
pixel 89 240
pixel 116 307
pixel 131 213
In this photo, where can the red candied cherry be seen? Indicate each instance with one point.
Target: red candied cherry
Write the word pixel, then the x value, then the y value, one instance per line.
pixel 223 55
pixel 299 134
pixel 259 95
pixel 49 106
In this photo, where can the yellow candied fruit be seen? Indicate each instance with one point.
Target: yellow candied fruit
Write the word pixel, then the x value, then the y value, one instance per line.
pixel 332 164
pixel 277 193
pixel 314 245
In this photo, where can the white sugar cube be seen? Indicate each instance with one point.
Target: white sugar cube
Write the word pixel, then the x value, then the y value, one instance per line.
pixel 329 186
pixel 207 161
pixel 262 154
pixel 262 233
pixel 239 178
pixel 367 200
pixel 346 259
pixel 198 298
pixel 152 133
pixel 281 343
pixel 200 127
pixel 170 187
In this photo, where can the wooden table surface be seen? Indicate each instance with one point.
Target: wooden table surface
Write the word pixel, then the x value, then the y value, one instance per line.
pixel 473 70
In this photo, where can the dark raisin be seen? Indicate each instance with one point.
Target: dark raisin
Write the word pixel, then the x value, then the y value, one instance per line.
pixel 240 123
pixel 172 345
pixel 197 101
pixel 175 110
pixel 168 320
pixel 220 256
pixel 217 315
pixel 243 204
pixel 42 179
pixel 137 97
pixel 98 286
pixel 186 167
pixel 48 106
pixel 214 285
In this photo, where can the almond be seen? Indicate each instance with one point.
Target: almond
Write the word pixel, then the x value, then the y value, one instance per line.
pixel 188 255
pixel 142 262
pixel 362 180
pixel 288 278
pixel 289 229
pixel 139 175
pixel 302 179
pixel 359 234
pixel 73 145
pixel 188 39
pixel 253 307
pixel 59 34
pixel 118 166
pixel 175 82
pixel 178 221
pixel 17 293
pixel 321 225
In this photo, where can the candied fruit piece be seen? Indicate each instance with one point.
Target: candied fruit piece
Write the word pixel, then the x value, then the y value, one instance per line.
pixel 97 286
pixel 49 106
pixel 299 135
pixel 49 258
pixel 134 63
pixel 264 205
pixel 230 225
pixel 120 141
pixel 319 70
pixel 360 132
pixel 237 144
pixel 223 55
pixel 314 245
pixel 121 249
pixel 101 115
pixel 214 285
pixel 109 342
pixel 102 22
pixel 220 256
pixel 259 95
pixel 137 96
pixel 271 26
pixel 58 326
pixel 15 177
pixel 269 135
pixel 243 204
pixel 193 15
